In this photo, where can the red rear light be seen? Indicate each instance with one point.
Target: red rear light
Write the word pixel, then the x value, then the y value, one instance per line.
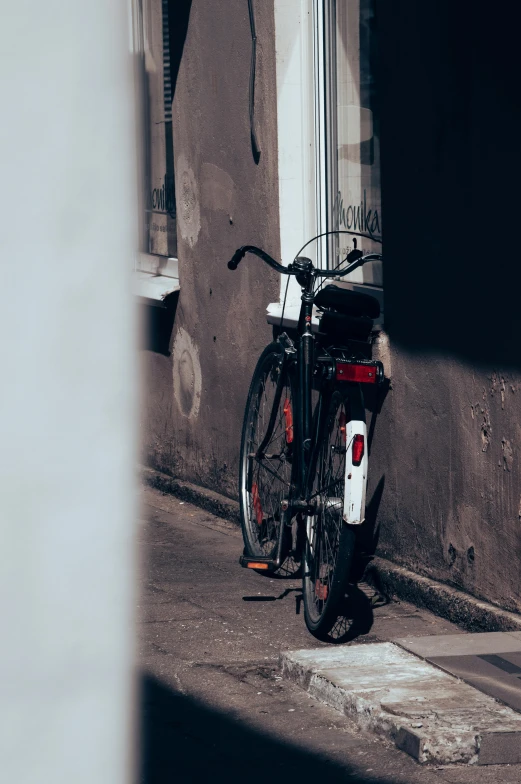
pixel 358 449
pixel 288 415
pixel 361 374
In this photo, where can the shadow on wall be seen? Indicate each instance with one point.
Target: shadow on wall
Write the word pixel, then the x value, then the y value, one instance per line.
pixel 158 325
pixel 178 19
pixel 368 533
pixel 184 740
pixel 451 179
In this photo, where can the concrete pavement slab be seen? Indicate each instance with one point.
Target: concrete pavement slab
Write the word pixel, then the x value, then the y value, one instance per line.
pixel 428 713
pixel 490 662
pixel 461 644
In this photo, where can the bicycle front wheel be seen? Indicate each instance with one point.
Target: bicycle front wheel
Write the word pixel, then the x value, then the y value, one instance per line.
pixel 265 480
pixel 330 543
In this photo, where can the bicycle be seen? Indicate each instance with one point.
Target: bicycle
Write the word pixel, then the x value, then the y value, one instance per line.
pixel 303 458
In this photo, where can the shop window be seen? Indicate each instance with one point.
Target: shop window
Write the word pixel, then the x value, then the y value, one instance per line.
pixel 329 172
pixel 353 187
pixel 153 76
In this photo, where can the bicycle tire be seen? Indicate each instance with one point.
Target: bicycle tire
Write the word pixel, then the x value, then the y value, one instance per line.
pixel 330 544
pixel 265 482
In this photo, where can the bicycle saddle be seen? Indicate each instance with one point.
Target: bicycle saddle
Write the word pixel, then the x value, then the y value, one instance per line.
pixel 347 302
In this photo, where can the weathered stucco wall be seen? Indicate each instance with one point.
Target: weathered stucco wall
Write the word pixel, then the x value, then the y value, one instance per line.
pixel 446 455
pixel 445 460
pixel 194 398
pixel 447 444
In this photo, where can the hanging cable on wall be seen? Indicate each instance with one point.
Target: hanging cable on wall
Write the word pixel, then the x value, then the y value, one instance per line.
pixel 254 144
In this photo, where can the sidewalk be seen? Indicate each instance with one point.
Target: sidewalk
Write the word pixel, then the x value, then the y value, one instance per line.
pixel 214 704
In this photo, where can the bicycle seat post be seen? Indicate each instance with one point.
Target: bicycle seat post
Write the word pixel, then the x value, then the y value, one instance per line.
pixel 304 274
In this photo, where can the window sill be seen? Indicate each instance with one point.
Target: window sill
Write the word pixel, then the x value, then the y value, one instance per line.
pixel 291 315
pixel 153 289
pixel 154 278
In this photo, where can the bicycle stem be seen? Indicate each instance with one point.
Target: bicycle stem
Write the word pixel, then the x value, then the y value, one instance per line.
pixel 305 360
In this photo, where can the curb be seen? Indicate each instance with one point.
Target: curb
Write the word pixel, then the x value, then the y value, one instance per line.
pixel 443 600
pixel 213 502
pixel 391 580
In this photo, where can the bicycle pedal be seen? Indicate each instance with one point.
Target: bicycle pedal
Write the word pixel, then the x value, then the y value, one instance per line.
pixel 266 564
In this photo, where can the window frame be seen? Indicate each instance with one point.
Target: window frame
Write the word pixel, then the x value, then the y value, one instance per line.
pixel 329 73
pixel 146 261
pixel 305 67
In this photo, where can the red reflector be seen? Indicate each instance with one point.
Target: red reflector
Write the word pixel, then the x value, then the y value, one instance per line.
pixel 358 449
pixel 321 591
pixel 257 505
pixel 288 414
pixel 361 374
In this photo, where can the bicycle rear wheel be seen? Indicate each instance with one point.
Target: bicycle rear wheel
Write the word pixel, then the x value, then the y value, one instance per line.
pixel 330 543
pixel 265 481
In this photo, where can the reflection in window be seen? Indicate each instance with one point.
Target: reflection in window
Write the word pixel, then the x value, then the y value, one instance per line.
pixel 355 152
pixel 158 198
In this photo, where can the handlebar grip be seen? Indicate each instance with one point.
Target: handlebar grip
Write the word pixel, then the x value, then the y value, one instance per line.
pixel 236 259
pixel 355 254
pixel 240 253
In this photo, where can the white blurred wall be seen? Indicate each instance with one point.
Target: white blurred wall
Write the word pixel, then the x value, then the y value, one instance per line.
pixel 67 391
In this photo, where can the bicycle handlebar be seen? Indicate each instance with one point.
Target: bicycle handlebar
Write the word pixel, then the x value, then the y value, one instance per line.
pixel 334 273
pixel 241 252
pixel 337 273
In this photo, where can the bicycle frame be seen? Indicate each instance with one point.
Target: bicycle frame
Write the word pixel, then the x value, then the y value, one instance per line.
pixel 306 445
pixel 310 424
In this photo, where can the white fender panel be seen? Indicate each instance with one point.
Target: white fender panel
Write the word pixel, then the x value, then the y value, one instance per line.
pixel 356 476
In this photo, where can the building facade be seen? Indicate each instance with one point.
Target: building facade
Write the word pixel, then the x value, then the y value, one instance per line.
pixel 397 118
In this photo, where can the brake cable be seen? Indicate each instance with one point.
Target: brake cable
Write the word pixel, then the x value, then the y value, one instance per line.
pixel 316 237
pixel 254 143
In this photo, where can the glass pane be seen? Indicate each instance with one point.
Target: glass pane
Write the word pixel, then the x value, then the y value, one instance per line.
pixel 355 148
pixel 160 223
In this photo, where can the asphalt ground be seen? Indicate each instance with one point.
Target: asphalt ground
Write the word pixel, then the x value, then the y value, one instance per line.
pixel 211 703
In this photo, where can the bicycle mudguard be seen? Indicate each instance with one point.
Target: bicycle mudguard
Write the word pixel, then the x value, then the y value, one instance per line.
pixel 356 472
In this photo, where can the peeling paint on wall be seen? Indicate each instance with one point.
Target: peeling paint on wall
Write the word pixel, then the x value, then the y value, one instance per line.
pixel 498 383
pixel 187 202
pixel 187 374
pixel 382 351
pixel 486 428
pixel 508 454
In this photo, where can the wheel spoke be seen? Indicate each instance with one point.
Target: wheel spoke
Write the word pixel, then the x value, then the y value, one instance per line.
pixel 271 475
pixel 323 553
pixel 262 464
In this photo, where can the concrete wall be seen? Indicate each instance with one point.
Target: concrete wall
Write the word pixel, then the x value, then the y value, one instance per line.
pixel 207 344
pixel 445 483
pixel 447 444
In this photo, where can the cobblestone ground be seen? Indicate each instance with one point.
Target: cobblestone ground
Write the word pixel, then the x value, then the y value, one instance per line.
pixel 212 704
